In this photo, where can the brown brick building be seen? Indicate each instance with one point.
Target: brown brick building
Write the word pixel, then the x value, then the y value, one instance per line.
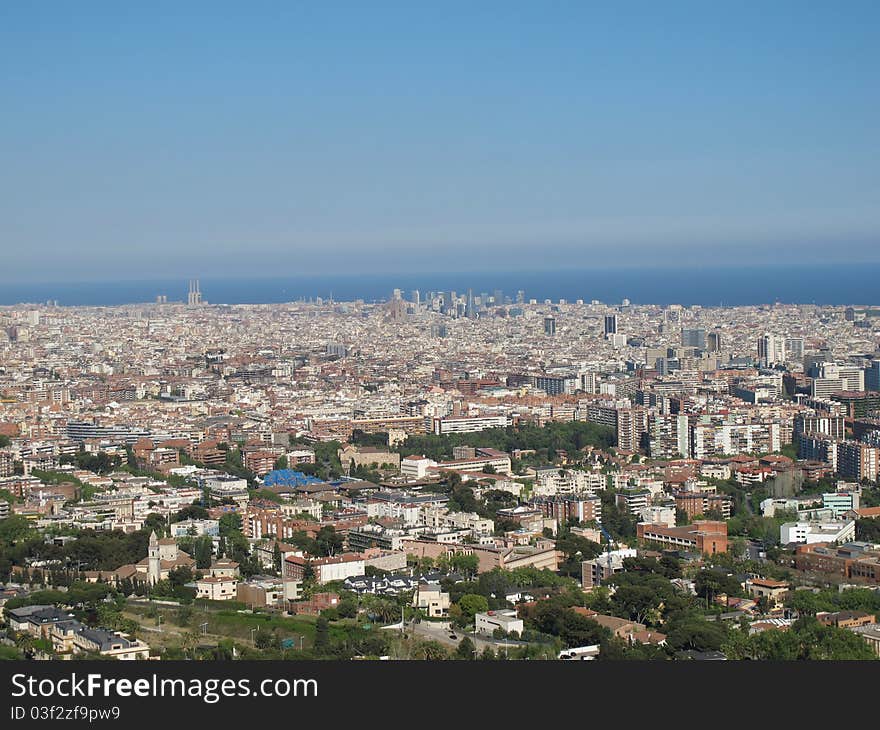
pixel 703 536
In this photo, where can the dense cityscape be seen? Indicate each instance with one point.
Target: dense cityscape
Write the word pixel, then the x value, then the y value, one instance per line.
pixel 440 475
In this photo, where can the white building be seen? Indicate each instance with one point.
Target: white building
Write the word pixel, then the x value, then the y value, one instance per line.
pixel 227 487
pixel 813 532
pixel 217 588
pixel 658 515
pixel 195 528
pixel 467 424
pixel 507 620
pixel 416 467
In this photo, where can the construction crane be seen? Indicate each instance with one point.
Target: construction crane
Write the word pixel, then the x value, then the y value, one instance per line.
pixel 609 543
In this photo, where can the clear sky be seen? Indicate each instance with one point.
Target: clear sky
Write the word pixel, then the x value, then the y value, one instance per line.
pixel 180 138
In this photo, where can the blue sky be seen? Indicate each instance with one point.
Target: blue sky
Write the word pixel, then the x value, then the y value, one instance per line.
pixel 177 139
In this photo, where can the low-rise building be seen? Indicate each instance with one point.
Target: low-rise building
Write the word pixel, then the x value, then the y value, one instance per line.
pixel 506 620
pixel 703 536
pixel 773 590
pixel 112 644
pixel 261 590
pixel 327 569
pixel 817 532
pixel 594 571
pixel 195 528
pixel 432 600
pixel 871 634
pixel 216 588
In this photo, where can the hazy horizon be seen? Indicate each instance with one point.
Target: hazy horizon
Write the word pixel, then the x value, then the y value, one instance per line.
pixel 214 140
pixel 734 285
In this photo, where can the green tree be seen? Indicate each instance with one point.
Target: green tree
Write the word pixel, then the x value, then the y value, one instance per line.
pixel 464 563
pixel 266 640
pixel 203 552
pixel 712 582
pixel 276 557
pixel 471 604
pixel 14 529
pixel 329 542
pixel 432 651
pixel 230 523
pixel 465 649
pixel 155 522
pixel 347 608
pixel 696 633
pixel 322 635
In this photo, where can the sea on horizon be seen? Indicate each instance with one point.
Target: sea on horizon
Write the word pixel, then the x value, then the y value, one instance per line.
pixel 728 286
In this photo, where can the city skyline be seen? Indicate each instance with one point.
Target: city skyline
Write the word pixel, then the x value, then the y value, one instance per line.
pixel 720 285
pixel 304 139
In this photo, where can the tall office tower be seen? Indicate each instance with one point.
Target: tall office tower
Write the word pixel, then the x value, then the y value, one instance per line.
pixel 849 314
pixel 550 325
pixel 498 296
pixel 872 376
pixel 771 349
pixel 794 348
pixel 397 295
pixel 713 342
pixel 415 297
pixel 610 324
pixel 469 311
pixel 693 338
pixel 195 294
pixel 520 297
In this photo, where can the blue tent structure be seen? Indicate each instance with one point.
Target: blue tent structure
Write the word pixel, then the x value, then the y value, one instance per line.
pixel 288 478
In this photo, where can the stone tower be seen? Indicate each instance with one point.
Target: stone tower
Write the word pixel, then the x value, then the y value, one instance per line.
pixel 153 560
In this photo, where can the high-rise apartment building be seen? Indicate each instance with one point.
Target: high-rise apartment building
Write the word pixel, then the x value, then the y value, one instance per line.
pixel 856 460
